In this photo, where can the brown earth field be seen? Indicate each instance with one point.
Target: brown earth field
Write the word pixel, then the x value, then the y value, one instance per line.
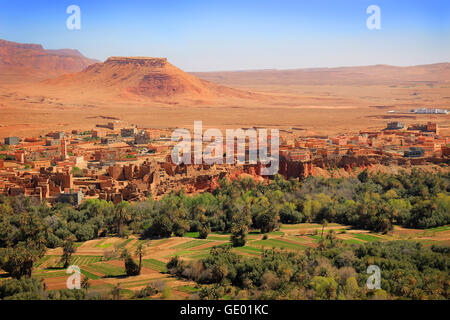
pixel 99 259
pixel 333 101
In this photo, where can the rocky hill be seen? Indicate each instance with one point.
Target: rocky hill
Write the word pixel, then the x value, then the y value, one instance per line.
pixel 143 77
pixel 28 62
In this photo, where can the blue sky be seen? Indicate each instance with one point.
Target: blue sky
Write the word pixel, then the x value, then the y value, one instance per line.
pixel 239 34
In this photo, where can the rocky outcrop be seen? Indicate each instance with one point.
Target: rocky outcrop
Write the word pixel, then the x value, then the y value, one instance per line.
pixel 304 169
pixel 137 61
pixel 145 78
pixel 295 169
pixel 33 61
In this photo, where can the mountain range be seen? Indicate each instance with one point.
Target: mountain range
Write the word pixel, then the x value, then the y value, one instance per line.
pixel 29 62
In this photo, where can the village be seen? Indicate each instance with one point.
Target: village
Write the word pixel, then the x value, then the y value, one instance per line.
pixel 117 162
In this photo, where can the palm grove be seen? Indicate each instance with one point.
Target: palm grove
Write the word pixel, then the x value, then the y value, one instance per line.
pixel 372 202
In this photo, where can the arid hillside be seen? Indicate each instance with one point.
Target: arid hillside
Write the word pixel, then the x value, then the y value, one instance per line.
pixel 142 78
pixel 151 92
pixel 30 62
pixel 367 75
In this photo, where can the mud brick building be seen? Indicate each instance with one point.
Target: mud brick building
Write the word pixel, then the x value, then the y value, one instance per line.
pixel 125 171
pixel 12 141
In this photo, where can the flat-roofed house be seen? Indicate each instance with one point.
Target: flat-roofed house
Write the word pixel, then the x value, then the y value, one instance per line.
pixel 10 141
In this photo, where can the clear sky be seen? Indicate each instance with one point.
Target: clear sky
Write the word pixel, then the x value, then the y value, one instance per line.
pixel 211 35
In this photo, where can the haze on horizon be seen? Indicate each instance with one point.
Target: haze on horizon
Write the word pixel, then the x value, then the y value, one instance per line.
pixel 239 35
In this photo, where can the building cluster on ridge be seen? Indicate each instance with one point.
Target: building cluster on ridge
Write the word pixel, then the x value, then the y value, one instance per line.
pixel 395 140
pixel 117 163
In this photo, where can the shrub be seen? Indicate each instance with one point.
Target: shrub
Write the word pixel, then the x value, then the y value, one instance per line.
pixel 161 227
pixel 22 289
pixel 131 267
pixel 204 232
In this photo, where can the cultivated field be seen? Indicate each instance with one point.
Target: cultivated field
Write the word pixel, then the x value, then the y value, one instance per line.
pixel 98 261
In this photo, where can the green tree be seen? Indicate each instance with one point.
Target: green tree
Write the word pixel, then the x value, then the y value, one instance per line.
pixel 324 287
pixel 238 236
pixel 351 288
pixel 204 232
pixel 267 220
pixel 85 283
pixel 26 244
pixel 116 291
pixel 121 215
pixel 331 236
pixel 23 289
pixel 363 176
pixel 18 261
pixel 131 268
pixel 324 224
pixel 140 252
pixel 68 250
pixel 161 227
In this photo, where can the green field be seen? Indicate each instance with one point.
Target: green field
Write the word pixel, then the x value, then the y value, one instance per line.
pixel 191 234
pixel 248 249
pixel 156 243
pixel 103 245
pixel 365 237
pixel 158 252
pixel 191 244
pixel 315 237
pixel 89 274
pixel 106 269
pixel 49 274
pixel 353 241
pixel 217 238
pixel 42 260
pixel 188 289
pixel 155 265
pixel 277 244
pixel 438 229
pixel 199 256
pixel 124 243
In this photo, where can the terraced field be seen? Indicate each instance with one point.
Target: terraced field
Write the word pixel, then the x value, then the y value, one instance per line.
pixel 99 259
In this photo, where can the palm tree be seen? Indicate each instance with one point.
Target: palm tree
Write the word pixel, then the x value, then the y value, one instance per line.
pixel 68 250
pixel 124 255
pixel 85 283
pixel 121 215
pixel 116 291
pixel 140 251
pixel 324 224
pixel 331 235
pixel 322 244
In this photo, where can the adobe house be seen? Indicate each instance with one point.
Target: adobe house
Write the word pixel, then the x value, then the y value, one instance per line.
pixel 10 141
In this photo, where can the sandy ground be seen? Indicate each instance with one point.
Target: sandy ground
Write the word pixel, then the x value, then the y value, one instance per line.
pixel 315 109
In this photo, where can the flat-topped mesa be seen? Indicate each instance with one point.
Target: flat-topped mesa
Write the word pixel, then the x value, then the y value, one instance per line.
pixel 141 61
pixel 5 43
pixel 144 78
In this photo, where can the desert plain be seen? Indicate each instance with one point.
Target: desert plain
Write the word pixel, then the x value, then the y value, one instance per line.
pixel 314 101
